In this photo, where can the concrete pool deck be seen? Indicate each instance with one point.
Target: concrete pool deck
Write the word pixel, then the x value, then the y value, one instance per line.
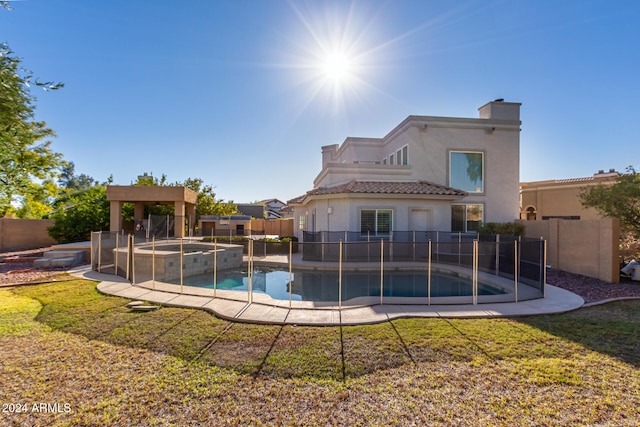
pixel 233 305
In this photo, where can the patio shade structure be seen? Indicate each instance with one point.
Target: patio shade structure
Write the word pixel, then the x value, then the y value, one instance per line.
pixel 183 199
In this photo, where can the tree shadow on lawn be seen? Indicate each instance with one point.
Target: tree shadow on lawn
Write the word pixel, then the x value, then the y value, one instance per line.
pixel 612 328
pixel 335 353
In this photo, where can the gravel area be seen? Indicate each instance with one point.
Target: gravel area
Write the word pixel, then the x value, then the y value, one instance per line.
pixel 593 290
pixel 590 289
pixel 21 271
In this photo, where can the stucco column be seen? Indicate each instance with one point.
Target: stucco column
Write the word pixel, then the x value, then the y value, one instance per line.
pixel 115 215
pixel 191 215
pixel 138 211
pixel 179 213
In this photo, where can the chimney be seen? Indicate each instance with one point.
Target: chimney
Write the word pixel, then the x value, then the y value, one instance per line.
pixel 500 110
pixel 602 174
pixel 328 154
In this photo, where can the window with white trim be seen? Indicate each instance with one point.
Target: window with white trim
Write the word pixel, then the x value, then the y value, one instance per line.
pixel 466 218
pixel 376 222
pixel 302 220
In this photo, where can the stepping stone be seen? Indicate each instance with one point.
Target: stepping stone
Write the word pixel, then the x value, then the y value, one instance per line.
pixel 135 304
pixel 144 307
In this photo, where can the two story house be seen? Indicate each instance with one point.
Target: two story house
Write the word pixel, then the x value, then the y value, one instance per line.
pixel 427 174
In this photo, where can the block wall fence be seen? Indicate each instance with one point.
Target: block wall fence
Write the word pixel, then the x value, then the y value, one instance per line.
pixel 18 233
pixel 587 247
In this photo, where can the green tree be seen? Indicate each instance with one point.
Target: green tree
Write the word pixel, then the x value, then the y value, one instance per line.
pixel 207 203
pixel 45 196
pixel 38 202
pixel 80 214
pixel 26 157
pixel 150 180
pixel 81 207
pixel 619 200
pixel 71 182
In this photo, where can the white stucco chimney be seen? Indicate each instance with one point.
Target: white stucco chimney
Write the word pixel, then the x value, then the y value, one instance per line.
pixel 329 154
pixel 500 110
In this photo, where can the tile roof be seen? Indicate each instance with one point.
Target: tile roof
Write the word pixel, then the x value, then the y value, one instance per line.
pixel 383 187
pixel 296 200
pixel 567 180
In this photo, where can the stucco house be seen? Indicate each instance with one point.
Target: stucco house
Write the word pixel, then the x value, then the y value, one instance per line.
pixel 427 174
pixel 272 208
pixel 560 198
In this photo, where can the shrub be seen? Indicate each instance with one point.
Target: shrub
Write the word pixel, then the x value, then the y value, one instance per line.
pixel 504 228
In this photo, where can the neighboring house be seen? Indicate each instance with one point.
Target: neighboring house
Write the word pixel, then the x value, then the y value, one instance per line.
pixel 559 198
pixel 427 174
pixel 233 225
pixel 254 210
pixel 286 212
pixel 272 207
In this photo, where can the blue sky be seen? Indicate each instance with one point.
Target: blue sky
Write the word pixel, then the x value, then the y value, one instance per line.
pixel 242 93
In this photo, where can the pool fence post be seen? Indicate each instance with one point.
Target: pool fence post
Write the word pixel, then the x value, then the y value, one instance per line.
pixel 381 270
pixel 167 223
pixel 250 272
pixel 290 272
pixel 153 262
pixel 414 245
pixel 340 278
pixel 115 261
pixel 474 282
pixel 497 254
pixel 215 264
pixel 133 260
pixel 126 276
pixel 459 247
pixel 148 227
pixel 181 265
pixel 543 261
pixel 437 246
pixel 322 246
pixel 346 239
pixel 368 245
pixel 515 269
pixel 429 274
pixel 99 253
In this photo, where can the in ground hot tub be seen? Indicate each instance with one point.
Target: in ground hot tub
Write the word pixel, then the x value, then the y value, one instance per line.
pixel 197 258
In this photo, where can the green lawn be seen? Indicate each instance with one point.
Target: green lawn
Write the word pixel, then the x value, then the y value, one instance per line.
pixel 94 362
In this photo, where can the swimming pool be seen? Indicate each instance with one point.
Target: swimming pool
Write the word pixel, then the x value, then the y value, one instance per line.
pixel 320 285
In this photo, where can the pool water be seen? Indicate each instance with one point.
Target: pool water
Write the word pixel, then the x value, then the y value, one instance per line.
pixel 324 286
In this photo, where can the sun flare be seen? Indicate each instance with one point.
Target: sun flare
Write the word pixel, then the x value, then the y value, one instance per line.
pixel 337 54
pixel 337 67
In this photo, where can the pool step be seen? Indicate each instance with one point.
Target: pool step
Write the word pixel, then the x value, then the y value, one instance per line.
pixel 59 259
